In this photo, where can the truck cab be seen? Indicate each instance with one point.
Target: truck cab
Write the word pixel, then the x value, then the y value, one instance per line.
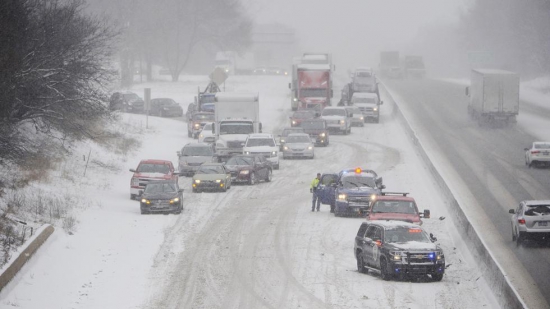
pixel 314 85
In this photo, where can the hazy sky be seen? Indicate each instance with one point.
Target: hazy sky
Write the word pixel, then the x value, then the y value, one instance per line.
pixel 356 30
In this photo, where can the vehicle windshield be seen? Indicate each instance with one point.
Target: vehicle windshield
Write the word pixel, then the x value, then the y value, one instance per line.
pixel 253 142
pixel 209 117
pixel 313 93
pixel 298 139
pixel 363 74
pixel 208 107
pixel 402 234
pixel 153 168
pixel 334 112
pixel 363 100
pixel 197 151
pixel 236 128
pixel 402 207
pixel 208 99
pixel 542 146
pixel 131 97
pixel 164 187
pixel 537 210
pixel 286 132
pixel 313 124
pixel 358 181
pixel 303 115
pixel 163 102
pixel 210 169
pixel 207 127
pixel 244 161
pixel 223 62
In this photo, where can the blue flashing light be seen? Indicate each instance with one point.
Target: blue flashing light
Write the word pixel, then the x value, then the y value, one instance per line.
pixel 431 256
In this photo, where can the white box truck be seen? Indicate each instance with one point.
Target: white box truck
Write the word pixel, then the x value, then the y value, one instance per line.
pixel 494 96
pixel 236 116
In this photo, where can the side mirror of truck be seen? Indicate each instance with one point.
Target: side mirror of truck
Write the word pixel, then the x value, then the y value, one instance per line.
pixel 433 238
pixel 467 91
pixel 426 213
pixel 132 170
pixel 512 211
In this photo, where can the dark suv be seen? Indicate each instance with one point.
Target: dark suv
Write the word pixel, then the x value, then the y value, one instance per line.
pixel 165 107
pixel 128 102
pixel 398 249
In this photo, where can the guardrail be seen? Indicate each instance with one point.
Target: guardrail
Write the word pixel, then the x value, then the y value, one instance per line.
pixel 503 291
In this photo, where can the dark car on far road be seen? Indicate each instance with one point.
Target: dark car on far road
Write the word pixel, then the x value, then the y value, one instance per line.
pixel 317 130
pixel 128 102
pixel 161 196
pixel 249 169
pixel 165 107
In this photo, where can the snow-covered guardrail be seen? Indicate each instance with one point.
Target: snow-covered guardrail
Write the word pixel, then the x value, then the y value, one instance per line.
pixel 503 291
pixel 24 253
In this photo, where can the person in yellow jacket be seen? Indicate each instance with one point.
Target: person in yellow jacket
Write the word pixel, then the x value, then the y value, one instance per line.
pixel 313 189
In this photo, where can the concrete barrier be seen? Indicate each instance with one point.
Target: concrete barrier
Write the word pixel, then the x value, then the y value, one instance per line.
pixel 25 253
pixel 503 291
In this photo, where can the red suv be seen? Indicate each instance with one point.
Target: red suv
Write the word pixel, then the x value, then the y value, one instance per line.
pixel 148 170
pixel 395 206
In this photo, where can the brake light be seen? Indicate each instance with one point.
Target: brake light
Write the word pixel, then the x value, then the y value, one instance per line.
pixel 378 243
pixel 415 231
pixel 535 151
pixel 521 221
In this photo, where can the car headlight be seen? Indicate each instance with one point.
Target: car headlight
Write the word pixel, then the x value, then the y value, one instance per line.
pixel 396 255
pixel 247 152
pixel 293 122
pixel 322 134
pixel 282 141
pixel 295 99
pixel 285 148
pixel 145 201
pixel 201 136
pixel 342 121
pixel 439 255
pixel 226 70
pixel 197 181
pixel 274 153
pixel 174 200
pixel 310 147
pixel 342 196
pixel 218 180
pixel 361 118
pixel 197 125
pixel 375 109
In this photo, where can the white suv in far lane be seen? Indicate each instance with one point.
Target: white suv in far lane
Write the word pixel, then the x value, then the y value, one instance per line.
pixel 263 144
pixel 338 118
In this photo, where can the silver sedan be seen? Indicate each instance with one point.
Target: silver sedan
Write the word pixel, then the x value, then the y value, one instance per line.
pixel 531 220
pixel 298 145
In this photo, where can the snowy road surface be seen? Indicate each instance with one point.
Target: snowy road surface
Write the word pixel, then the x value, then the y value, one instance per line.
pixel 491 167
pixel 252 247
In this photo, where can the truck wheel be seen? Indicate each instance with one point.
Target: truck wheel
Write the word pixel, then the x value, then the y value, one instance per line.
pixel 437 277
pixel 252 179
pixel 361 264
pixel 519 238
pixel 269 176
pixel 384 270
pixel 513 234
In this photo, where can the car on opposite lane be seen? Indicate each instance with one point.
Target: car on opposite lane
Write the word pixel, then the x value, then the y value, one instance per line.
pixel 298 145
pixel 531 220
pixel 211 177
pixel 398 249
pixel 396 206
pixel 161 196
pixel 538 154
pixel 249 169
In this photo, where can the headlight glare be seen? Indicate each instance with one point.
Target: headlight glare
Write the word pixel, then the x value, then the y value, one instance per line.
pixel 342 196
pixel 244 172
pixel 197 181
pixel 218 180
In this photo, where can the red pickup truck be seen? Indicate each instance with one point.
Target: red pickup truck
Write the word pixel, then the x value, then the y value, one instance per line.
pixel 149 170
pixel 395 206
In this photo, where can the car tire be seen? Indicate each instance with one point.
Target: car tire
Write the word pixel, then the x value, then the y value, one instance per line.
pixel 436 277
pixel 513 234
pixel 519 238
pixel 252 179
pixel 269 176
pixel 384 271
pixel 276 166
pixel 133 197
pixel 143 212
pixel 377 120
pixel 361 264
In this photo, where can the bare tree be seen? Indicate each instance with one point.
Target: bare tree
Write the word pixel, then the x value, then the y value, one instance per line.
pixel 54 74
